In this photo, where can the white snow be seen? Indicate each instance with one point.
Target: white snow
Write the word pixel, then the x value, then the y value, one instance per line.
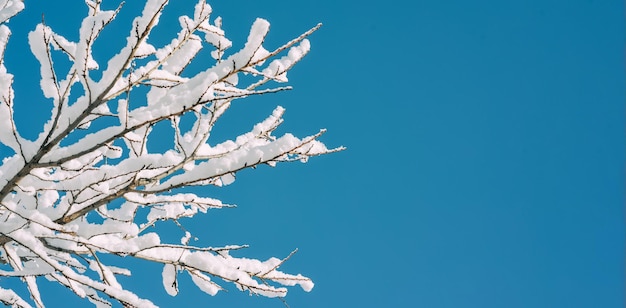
pixel 9 9
pixel 204 283
pixel 169 279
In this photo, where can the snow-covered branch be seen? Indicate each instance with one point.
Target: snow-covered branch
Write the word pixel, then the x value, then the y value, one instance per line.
pixel 75 193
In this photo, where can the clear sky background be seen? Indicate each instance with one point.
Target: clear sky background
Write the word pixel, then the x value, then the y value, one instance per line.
pixel 485 160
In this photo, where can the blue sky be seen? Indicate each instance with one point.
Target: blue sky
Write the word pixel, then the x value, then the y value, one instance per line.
pixel 485 160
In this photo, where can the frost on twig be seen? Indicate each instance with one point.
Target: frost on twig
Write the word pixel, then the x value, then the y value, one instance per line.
pixel 69 197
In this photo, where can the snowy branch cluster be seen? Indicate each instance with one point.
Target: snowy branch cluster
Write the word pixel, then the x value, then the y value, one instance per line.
pixel 76 194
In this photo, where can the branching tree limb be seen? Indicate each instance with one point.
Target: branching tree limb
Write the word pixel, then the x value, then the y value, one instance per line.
pixel 53 187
